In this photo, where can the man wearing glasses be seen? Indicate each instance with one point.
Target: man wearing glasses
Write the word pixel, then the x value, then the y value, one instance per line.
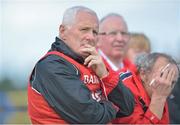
pixel 112 41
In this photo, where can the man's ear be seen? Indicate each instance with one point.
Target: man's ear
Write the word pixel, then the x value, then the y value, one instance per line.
pixel 62 30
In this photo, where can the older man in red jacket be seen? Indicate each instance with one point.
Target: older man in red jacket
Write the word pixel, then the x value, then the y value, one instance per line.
pixel 151 84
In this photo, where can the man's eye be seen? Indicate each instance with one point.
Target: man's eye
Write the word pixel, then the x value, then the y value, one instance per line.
pixel 84 29
pixel 112 33
pixel 95 32
pixel 123 33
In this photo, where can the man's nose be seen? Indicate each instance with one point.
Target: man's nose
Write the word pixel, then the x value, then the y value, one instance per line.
pixel 90 36
pixel 119 37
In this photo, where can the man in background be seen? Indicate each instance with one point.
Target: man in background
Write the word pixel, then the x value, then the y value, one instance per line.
pixel 112 40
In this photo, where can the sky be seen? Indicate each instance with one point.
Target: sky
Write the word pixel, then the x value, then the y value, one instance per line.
pixel 28 27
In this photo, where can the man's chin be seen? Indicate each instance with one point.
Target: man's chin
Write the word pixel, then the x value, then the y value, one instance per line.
pixel 118 55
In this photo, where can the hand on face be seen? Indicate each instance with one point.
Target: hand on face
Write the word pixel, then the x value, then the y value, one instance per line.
pixel 94 60
pixel 163 82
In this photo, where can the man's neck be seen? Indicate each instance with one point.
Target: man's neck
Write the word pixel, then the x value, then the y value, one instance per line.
pixel 117 63
pixel 114 63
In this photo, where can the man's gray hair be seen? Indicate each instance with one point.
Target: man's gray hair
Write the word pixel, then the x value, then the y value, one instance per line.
pixel 146 62
pixel 70 14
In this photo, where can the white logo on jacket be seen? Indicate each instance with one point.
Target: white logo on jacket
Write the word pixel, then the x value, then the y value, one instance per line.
pixel 97 95
pixel 93 79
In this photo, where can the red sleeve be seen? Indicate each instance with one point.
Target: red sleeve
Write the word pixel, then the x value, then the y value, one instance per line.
pixel 151 117
pixel 110 81
pixel 118 93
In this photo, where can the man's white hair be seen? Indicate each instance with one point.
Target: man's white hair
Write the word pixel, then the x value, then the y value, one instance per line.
pixel 113 15
pixel 70 14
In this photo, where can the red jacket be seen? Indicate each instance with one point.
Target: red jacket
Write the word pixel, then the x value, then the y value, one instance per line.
pixel 36 112
pixel 141 113
pixel 43 113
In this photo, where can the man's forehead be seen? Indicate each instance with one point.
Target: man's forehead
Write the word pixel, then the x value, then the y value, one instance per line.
pixel 113 24
pixel 83 14
pixel 87 18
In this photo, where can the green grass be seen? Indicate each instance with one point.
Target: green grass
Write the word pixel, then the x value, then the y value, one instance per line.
pixel 18 118
pixel 18 98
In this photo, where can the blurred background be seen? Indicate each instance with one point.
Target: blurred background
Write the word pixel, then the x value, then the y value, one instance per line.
pixel 28 27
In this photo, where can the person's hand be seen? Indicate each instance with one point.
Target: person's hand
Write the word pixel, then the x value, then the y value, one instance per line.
pixel 164 82
pixel 94 60
pixel 161 87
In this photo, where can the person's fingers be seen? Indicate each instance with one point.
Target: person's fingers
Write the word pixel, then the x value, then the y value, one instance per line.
pixel 173 81
pixel 157 74
pixel 89 49
pixel 155 83
pixel 155 79
pixel 88 59
pixel 92 62
pixel 171 75
pixel 152 82
pixel 164 68
pixel 165 73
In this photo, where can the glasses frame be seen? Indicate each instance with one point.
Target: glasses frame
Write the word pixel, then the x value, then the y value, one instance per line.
pixel 115 33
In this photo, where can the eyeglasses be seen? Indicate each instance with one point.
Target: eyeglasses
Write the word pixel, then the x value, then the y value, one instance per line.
pixel 115 33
